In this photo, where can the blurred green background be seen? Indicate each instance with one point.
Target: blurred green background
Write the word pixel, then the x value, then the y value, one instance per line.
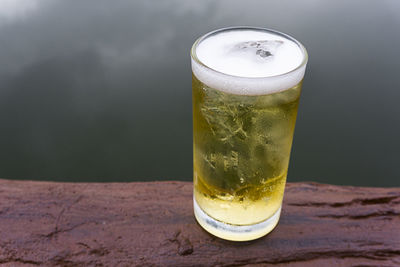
pixel 98 90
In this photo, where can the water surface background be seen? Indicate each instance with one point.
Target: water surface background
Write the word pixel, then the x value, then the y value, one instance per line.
pixel 99 90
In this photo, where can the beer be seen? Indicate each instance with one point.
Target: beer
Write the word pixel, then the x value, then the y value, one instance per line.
pixel 243 122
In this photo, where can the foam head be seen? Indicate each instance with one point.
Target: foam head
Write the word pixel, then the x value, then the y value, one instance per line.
pixel 248 61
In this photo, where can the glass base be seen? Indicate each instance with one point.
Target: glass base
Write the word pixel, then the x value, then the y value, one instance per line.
pixel 235 232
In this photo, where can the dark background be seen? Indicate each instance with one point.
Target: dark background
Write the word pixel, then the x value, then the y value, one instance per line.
pixel 99 90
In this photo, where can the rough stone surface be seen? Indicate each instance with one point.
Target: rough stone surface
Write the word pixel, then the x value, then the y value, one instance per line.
pixel 152 224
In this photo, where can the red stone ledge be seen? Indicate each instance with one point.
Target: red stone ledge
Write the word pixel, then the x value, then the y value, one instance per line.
pixel 152 224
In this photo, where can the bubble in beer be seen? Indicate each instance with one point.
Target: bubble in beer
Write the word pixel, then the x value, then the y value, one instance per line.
pixel 249 61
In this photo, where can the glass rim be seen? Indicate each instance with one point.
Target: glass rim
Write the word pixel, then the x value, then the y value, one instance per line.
pixel 205 36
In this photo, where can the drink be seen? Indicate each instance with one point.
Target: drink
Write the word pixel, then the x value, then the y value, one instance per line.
pixel 246 88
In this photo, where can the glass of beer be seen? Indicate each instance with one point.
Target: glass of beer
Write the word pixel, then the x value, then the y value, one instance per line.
pixel 246 89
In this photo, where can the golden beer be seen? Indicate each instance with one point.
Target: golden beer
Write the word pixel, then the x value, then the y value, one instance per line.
pixel 241 150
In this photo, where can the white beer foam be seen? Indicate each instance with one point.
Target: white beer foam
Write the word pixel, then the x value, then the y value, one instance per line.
pixel 249 62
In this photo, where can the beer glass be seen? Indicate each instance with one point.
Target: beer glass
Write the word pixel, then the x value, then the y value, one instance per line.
pixel 246 85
